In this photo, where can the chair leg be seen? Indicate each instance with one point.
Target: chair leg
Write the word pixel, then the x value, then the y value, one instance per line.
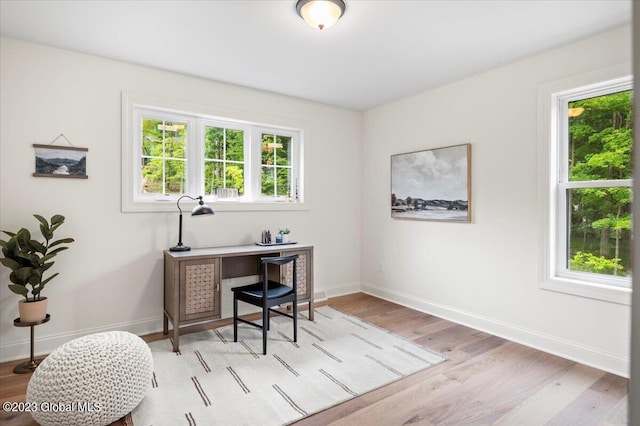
pixel 295 320
pixel 265 328
pixel 235 319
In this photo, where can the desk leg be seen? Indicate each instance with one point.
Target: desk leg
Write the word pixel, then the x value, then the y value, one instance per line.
pixel 176 337
pixel 165 323
pixel 311 310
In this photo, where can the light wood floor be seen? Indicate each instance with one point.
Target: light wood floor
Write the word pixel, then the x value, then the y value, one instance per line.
pixel 486 380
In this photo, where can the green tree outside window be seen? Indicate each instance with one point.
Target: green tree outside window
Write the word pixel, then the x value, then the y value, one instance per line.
pixel 600 140
pixel 276 165
pixel 164 154
pixel 223 159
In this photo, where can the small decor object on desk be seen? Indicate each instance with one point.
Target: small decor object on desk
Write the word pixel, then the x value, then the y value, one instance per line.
pixel 282 237
pixel 29 260
pixel 266 237
pixel 284 234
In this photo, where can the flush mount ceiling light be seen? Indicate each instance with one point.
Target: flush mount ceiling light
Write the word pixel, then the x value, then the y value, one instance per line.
pixel 320 14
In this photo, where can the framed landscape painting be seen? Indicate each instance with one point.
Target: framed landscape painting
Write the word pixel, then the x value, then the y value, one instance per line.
pixel 60 161
pixel 434 184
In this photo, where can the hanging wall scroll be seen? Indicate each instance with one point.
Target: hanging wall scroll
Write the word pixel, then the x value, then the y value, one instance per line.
pixel 60 161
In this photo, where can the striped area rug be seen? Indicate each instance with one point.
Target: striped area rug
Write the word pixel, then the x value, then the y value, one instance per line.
pixel 214 381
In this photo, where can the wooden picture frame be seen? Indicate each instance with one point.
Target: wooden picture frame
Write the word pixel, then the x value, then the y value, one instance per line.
pixel 433 184
pixel 60 161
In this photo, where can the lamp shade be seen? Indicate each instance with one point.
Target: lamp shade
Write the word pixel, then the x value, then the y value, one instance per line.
pixel 320 14
pixel 201 209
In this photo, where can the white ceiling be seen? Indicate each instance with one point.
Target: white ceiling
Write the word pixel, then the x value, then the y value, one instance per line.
pixel 380 51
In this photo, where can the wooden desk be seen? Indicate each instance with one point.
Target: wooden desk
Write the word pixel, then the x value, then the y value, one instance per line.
pixel 192 279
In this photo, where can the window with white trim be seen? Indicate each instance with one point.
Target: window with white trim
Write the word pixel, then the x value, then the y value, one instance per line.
pixel 224 154
pixel 590 197
pixel 277 177
pixel 163 146
pixel 169 153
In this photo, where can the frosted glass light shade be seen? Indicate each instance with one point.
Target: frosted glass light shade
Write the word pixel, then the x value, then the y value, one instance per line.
pixel 320 14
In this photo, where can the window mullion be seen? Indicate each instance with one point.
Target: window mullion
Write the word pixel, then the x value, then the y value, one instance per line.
pixel 164 158
pixel 224 157
pixel 596 184
pixel 562 243
pixel 564 140
pixel 295 159
pixel 275 166
pixel 561 178
pixel 195 155
pixel 252 164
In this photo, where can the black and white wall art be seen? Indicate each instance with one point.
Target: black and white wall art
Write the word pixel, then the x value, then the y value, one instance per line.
pixel 60 161
pixel 434 184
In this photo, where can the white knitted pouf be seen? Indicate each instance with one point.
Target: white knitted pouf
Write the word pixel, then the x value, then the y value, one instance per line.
pixel 91 380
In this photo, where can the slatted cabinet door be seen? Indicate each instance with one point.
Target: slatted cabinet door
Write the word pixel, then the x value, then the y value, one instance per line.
pixel 304 272
pixel 200 294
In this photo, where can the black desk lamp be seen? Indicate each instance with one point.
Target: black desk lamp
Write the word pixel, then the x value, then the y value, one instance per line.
pixel 198 210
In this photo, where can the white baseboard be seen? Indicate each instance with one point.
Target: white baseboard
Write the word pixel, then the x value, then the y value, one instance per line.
pixel 47 344
pixel 342 290
pixel 583 354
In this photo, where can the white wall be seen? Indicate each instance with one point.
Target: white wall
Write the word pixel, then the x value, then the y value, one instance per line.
pixel 486 274
pixel 111 277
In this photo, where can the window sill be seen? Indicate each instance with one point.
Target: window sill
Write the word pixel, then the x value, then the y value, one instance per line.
pixel 605 293
pixel 219 206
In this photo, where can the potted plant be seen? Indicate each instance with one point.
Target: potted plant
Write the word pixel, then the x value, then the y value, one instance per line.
pixel 284 234
pixel 28 260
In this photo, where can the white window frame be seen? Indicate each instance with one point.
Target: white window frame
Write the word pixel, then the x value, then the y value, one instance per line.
pixel 141 112
pixel 553 185
pixel 136 105
pixel 247 149
pixel 256 159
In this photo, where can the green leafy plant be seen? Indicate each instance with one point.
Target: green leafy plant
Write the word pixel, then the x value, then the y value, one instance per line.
pixel 283 231
pixel 588 262
pixel 29 259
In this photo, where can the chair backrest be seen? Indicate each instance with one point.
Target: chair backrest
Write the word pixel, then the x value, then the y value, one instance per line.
pixel 281 260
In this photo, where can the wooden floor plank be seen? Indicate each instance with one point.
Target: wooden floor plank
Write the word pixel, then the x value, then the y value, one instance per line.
pixel 546 403
pixel 400 407
pixel 486 380
pixel 598 403
pixel 485 387
pixel 618 415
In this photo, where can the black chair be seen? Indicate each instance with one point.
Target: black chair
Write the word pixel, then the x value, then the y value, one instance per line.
pixel 267 294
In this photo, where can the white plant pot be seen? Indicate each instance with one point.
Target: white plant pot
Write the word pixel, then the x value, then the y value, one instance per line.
pixel 33 311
